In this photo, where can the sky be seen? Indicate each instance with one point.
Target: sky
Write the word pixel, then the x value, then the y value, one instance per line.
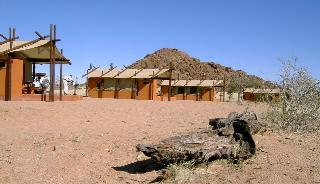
pixel 251 35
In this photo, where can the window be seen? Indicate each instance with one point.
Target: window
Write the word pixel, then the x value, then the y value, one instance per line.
pixel 2 64
pixel 193 90
pixel 98 86
pixel 109 84
pixel 125 84
pixel 180 90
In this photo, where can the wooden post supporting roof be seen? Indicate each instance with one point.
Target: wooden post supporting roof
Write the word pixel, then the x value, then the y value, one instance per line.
pixel 52 61
pixel 101 81
pixel 8 97
pixel 61 79
pixel 33 71
pixel 170 78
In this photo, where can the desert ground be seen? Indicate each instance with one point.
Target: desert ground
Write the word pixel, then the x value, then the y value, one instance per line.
pixel 93 141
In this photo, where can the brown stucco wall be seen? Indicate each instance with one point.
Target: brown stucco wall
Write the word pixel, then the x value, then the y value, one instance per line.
pixel 17 77
pixel 207 94
pixel 2 81
pixel 164 91
pixel 154 89
pixel 143 90
pixel 107 94
pixel 124 94
pixel 179 96
pixel 92 84
pixel 192 97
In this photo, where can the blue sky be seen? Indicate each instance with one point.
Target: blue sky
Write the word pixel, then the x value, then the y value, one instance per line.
pixel 247 34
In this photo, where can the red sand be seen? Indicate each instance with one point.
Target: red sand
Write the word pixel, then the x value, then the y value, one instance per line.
pixel 81 142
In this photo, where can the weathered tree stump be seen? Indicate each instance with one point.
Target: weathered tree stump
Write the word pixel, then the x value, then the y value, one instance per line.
pixel 227 138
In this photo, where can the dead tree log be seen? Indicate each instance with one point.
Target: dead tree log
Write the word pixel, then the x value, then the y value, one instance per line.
pixel 228 138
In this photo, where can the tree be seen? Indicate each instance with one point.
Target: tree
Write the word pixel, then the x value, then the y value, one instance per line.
pixel 299 105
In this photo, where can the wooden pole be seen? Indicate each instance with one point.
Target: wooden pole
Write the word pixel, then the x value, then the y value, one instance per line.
pixel 224 88
pixel 54 60
pixel 9 67
pixel 170 78
pixel 87 83
pixel 101 81
pixel 51 92
pixel 61 79
pixel 33 70
pixel 150 90
pixel 116 89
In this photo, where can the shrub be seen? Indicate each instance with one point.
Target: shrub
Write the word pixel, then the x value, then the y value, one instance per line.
pixel 299 104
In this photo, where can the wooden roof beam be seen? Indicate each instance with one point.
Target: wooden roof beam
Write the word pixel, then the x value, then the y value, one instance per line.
pixel 103 74
pixel 119 73
pixel 135 73
pixel 90 71
pixel 22 45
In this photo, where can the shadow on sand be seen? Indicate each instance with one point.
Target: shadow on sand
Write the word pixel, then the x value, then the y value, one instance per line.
pixel 139 167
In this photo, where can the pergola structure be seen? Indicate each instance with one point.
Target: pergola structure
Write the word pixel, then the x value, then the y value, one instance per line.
pixel 17 56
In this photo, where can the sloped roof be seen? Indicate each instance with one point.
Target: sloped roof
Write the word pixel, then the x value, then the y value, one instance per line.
pixel 202 83
pixel 36 51
pixel 150 73
pixel 129 73
pixel 254 90
pixel 126 73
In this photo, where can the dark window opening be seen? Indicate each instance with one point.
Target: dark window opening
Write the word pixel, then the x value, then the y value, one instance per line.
pixel 146 81
pixel 180 90
pixel 193 90
pixel 98 86
pixel 2 64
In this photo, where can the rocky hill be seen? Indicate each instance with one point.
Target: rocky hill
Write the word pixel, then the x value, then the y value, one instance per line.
pixel 187 67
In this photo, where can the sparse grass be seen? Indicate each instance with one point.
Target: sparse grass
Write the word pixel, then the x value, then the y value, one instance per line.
pixel 190 173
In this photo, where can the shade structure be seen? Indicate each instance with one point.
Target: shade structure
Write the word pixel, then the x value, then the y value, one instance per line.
pixel 201 83
pixel 35 51
pixel 254 90
pixel 129 73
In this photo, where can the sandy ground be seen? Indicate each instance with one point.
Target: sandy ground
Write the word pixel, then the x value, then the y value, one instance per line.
pixel 93 141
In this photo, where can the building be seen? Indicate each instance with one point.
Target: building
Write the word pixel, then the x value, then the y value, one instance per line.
pixel 18 60
pixel 140 84
pixel 197 90
pixel 252 94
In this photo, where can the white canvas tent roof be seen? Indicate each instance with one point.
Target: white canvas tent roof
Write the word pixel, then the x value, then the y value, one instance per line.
pixel 202 83
pixel 254 90
pixel 35 51
pixel 129 73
